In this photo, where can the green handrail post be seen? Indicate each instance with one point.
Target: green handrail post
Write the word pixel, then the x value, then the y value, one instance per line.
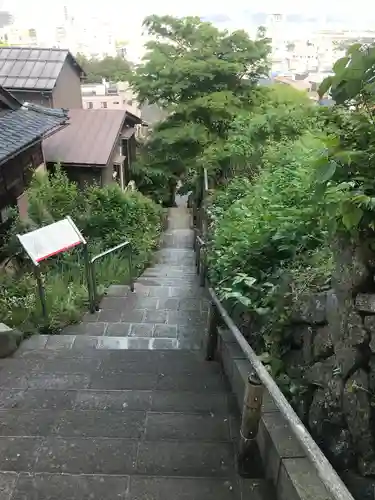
pixel 94 303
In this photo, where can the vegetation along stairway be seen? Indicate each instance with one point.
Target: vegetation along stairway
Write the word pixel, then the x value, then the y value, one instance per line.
pixel 123 406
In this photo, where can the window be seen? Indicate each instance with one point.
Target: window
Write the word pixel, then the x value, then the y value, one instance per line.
pixel 90 105
pixel 116 102
pixel 130 102
pixel 104 105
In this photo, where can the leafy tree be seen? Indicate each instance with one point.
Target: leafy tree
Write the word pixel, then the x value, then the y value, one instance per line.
pixel 203 77
pixel 115 69
pixel 345 171
pixel 353 82
pixel 284 113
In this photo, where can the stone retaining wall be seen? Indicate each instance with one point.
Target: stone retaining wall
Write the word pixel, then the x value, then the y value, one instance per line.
pixel 286 464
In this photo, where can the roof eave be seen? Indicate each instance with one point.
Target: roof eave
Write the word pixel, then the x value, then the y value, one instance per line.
pixel 77 165
pixel 17 152
pixel 27 89
pixel 38 138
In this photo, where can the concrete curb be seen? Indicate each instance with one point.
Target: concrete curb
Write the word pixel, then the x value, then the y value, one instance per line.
pixel 285 463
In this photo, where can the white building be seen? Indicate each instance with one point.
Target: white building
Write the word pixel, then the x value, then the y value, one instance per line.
pixel 108 95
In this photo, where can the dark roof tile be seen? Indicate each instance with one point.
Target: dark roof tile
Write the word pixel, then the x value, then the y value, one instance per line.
pixel 22 126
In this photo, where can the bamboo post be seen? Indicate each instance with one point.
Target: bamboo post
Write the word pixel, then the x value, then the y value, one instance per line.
pixel 248 456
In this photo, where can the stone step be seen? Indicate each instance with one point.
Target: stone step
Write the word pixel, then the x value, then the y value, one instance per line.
pixel 90 336
pixel 101 487
pixel 169 272
pixel 44 351
pixel 167 282
pixel 116 456
pixel 148 304
pixel 125 424
pixel 192 290
pixel 118 400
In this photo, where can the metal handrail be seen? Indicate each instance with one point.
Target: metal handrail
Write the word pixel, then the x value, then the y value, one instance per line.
pixel 326 472
pixel 201 270
pixel 93 300
pixel 205 179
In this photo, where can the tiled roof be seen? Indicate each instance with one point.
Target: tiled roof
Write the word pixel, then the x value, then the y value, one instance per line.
pixel 21 127
pixel 88 140
pixel 32 68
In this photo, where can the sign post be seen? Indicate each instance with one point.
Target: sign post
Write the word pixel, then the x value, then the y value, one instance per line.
pixel 49 241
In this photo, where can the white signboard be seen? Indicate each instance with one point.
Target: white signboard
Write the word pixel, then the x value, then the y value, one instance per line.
pixel 51 240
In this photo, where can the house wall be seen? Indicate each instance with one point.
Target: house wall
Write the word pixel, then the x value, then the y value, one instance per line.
pixel 107 174
pixel 122 148
pixel 67 92
pixel 41 98
pixel 83 176
pixel 15 178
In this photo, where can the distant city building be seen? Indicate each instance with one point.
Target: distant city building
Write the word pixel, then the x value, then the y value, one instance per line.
pixel 88 35
pixel 107 95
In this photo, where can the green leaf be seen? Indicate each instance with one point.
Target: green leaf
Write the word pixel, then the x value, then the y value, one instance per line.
pixel 354 48
pixel 325 172
pixel 340 64
pixel 352 218
pixel 325 86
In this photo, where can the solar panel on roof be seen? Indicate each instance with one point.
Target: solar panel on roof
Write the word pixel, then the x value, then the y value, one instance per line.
pixel 13 53
pixel 19 83
pixel 43 83
pixel 9 82
pixel 30 83
pixel 47 70
pixel 5 67
pixel 17 68
pixel 35 54
pixel 37 69
pixel 26 53
pixel 27 68
pixel 30 64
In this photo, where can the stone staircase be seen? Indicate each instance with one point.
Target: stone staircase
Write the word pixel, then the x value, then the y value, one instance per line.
pixel 123 406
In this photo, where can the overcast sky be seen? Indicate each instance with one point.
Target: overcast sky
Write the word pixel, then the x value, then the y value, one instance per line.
pixel 359 8
pixel 126 17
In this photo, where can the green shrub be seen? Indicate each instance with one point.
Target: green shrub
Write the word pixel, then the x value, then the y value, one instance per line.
pixel 106 216
pixel 277 223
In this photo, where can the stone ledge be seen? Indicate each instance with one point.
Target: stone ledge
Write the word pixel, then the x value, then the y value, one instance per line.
pixel 285 463
pixel 10 339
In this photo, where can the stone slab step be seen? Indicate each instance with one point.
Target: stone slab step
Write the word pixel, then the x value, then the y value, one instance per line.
pixel 154 291
pixel 147 304
pixel 167 282
pixel 101 487
pixel 90 399
pixel 125 424
pixel 100 342
pixel 70 346
pixel 114 456
pixel 60 368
